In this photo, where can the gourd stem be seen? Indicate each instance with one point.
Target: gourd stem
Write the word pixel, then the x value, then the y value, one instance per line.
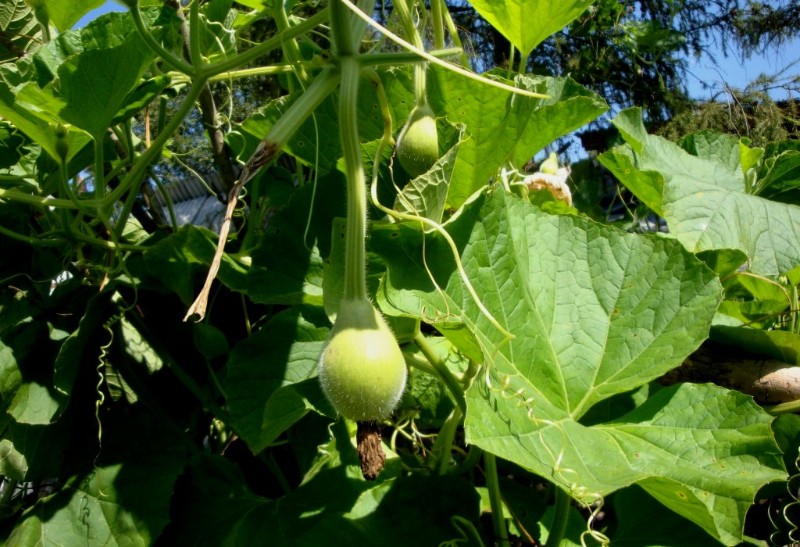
pixel 438 24
pixel 355 284
pixel 403 8
pixel 195 51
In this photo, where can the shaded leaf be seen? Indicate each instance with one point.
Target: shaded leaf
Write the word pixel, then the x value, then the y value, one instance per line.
pixel 266 373
pixel 124 500
pixel 287 266
pixel 637 527
pixel 781 181
pixel 776 344
pixel 35 112
pixel 32 452
pixel 185 256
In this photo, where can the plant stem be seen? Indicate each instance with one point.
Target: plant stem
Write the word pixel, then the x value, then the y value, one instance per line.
pixel 290 47
pixel 560 518
pixel 355 284
pixel 99 169
pixel 21 197
pixel 495 501
pixel 195 55
pixel 170 58
pixel 403 57
pixel 288 124
pixel 263 48
pixel 438 24
pixel 403 8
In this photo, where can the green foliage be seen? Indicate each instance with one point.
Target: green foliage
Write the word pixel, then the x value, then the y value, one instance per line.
pixel 704 194
pixel 535 336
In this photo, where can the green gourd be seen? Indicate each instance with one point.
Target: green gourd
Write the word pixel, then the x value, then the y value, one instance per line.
pixel 418 142
pixel 361 368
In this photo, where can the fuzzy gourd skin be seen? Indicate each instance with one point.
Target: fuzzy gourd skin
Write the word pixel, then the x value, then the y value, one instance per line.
pixel 361 369
pixel 418 142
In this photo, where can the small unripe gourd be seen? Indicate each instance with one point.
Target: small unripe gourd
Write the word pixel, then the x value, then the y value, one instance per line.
pixel 361 369
pixel 418 142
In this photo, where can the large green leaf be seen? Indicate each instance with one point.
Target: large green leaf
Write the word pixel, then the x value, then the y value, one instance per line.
pixel 526 23
pixel 593 309
pixel 96 83
pixel 501 128
pixel 703 199
pixel 108 31
pixel 271 376
pixel 595 312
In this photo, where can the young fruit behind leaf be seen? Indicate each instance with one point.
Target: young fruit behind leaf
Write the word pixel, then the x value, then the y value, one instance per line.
pixel 418 142
pixel 361 369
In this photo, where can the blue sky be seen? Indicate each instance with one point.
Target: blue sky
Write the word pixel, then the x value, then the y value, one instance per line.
pixel 731 71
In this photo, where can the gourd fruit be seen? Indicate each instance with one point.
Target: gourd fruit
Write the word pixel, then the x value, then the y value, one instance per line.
pixel 418 142
pixel 361 368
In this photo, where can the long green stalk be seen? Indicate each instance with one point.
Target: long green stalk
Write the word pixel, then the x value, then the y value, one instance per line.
pixel 495 501
pixel 355 286
pixel 560 518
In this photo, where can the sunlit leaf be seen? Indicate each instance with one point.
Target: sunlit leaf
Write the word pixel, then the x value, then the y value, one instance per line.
pixel 526 23
pixel 594 313
pixel 705 203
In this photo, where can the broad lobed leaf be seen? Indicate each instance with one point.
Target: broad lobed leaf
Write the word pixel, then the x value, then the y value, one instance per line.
pixel 704 198
pixel 594 313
